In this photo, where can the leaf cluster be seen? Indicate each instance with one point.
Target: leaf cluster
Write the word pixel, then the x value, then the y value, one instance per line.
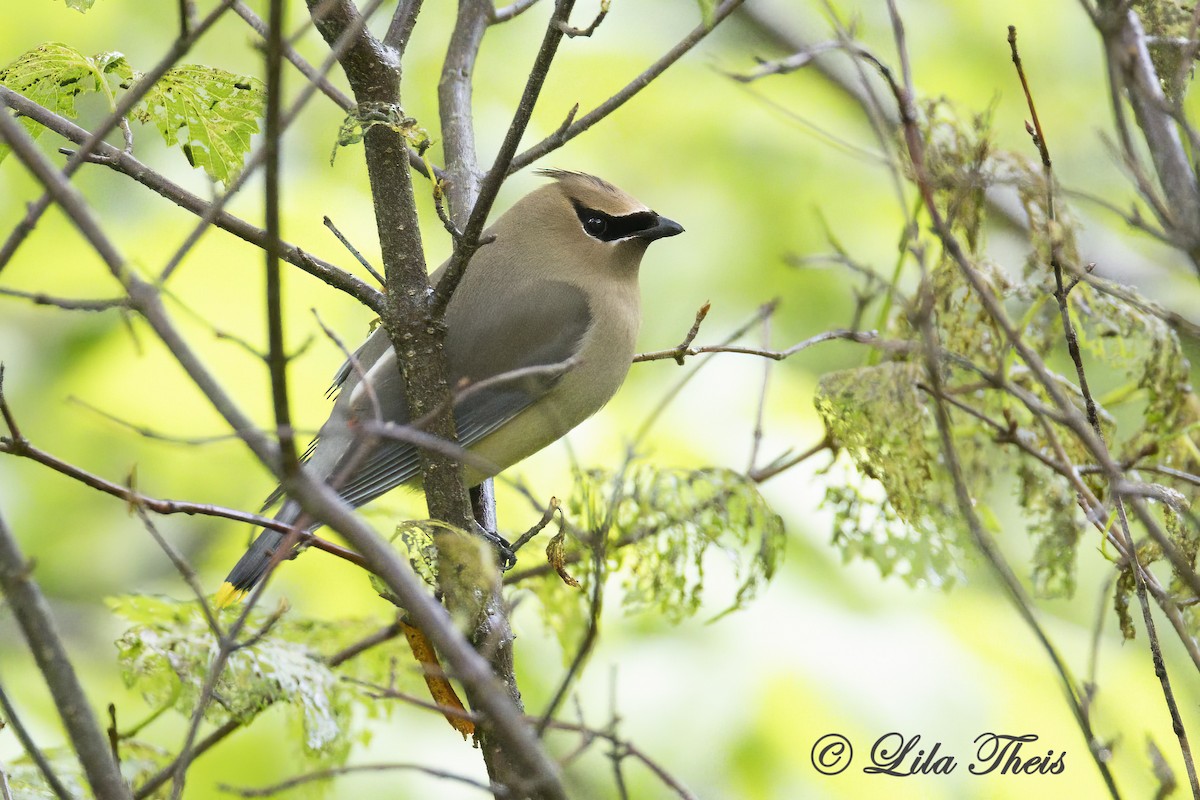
pixel 168 650
pixel 895 504
pixel 658 534
pixel 209 113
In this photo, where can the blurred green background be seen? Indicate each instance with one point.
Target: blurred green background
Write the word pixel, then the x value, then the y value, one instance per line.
pixel 732 709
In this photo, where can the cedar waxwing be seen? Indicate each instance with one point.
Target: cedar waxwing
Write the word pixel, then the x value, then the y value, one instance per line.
pixel 557 284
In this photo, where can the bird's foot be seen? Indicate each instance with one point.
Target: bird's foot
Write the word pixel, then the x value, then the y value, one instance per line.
pixel 507 556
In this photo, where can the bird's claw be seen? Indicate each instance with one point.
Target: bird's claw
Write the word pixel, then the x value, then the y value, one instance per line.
pixel 508 557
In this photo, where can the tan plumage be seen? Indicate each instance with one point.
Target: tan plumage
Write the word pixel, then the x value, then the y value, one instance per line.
pixel 557 284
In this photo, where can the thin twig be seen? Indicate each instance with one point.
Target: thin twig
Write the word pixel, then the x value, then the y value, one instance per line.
pixel 352 769
pixel 562 136
pixel 679 352
pixel 761 410
pixel 573 32
pixel 489 187
pixel 31 749
pixel 27 603
pixel 277 357
pixel 353 250
pixel 130 166
pixel 553 506
pixel 67 303
pixel 511 11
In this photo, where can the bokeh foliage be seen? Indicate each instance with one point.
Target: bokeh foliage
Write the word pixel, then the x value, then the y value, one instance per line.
pixel 747 183
pixel 906 519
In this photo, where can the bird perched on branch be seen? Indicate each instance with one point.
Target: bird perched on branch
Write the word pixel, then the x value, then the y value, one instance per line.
pixel 542 325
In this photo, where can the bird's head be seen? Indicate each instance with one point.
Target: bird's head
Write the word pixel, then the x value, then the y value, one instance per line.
pixel 580 219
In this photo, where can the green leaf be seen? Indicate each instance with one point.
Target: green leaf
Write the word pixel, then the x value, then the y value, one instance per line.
pixel 662 530
pixel 708 10
pixel 81 5
pixel 894 500
pixel 209 113
pixel 367 115
pixel 891 504
pixel 53 75
pixel 168 650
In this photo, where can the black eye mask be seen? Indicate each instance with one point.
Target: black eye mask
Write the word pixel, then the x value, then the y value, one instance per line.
pixel 608 228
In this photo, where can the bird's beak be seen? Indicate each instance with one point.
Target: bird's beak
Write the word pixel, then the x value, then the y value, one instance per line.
pixel 664 228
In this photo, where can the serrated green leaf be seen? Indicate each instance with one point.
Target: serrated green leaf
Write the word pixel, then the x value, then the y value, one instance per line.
pixel 209 113
pixel 81 5
pixel 53 75
pixel 664 528
pixel 167 652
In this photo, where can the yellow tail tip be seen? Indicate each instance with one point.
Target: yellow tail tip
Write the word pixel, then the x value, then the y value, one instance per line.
pixel 227 595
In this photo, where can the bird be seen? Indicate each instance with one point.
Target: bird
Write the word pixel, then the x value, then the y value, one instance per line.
pixel 555 286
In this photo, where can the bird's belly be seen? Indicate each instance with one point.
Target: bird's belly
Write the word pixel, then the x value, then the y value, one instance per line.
pixel 580 394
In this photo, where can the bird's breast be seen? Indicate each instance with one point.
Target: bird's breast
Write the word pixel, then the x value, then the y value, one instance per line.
pixel 602 362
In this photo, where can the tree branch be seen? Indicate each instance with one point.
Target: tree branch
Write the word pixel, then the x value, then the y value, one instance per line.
pixel 414 329
pixel 403 22
pixel 564 135
pixel 128 165
pixel 28 604
pixel 454 108
pixel 94 141
pixel 679 352
pixel 1125 45
pixel 277 357
pixel 469 242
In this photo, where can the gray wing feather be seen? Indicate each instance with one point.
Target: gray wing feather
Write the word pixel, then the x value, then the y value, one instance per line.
pixel 513 332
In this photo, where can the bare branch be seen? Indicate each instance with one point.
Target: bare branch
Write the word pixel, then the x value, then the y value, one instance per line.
pixel 353 250
pixel 512 10
pixel 128 165
pixel 28 605
pixel 276 355
pixel 792 63
pixel 562 136
pixel 12 720
pixel 679 352
pixel 591 28
pixel 401 27
pixel 454 107
pixel 353 769
pixel 490 186
pixel 67 303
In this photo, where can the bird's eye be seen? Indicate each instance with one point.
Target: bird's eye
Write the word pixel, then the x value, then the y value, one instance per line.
pixel 595 226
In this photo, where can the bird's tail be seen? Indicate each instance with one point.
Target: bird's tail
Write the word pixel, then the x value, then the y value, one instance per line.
pixel 251 567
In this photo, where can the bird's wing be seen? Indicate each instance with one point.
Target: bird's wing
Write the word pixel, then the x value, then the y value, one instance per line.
pixel 512 332
pixel 367 354
pixel 346 379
